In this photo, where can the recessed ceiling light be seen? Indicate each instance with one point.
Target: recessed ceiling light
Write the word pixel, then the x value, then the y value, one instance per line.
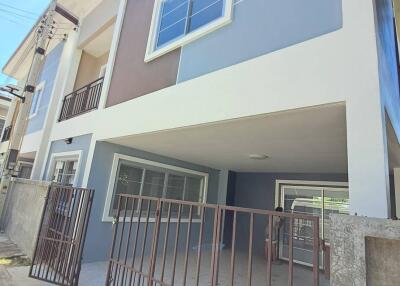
pixel 258 156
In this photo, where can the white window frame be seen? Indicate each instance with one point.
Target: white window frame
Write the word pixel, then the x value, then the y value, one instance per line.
pixel 71 155
pixel 39 87
pixel 152 52
pixel 113 175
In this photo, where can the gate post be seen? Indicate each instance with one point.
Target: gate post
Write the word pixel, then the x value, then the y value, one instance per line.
pixel 114 235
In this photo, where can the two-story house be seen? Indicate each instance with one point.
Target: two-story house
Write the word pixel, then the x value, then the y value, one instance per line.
pixel 250 103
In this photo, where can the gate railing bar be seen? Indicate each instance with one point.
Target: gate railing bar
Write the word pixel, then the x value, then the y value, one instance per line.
pixel 213 247
pixel 146 227
pixel 290 278
pixel 250 259
pixel 128 241
pixel 115 232
pixel 121 239
pixel 187 244
pixel 178 226
pixel 72 255
pixel 202 213
pixel 136 240
pixel 155 243
pixel 233 248
pixel 270 245
pixel 164 255
pixel 316 252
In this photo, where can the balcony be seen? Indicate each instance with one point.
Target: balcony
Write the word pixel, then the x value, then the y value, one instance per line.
pixel 82 100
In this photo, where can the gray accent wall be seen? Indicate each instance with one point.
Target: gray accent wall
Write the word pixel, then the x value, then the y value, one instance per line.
pixel 48 74
pixel 81 143
pixel 99 233
pixel 259 27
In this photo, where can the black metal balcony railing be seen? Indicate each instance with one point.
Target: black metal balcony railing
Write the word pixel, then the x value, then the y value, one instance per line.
pixel 82 100
pixel 6 134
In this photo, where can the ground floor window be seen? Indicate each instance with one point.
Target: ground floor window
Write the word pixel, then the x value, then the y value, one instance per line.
pixel 25 170
pixel 64 172
pixel 135 176
pixel 63 168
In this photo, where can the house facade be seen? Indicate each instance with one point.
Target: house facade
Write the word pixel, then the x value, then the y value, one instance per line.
pixel 249 103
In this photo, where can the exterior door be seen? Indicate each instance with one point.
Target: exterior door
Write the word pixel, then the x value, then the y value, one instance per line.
pixel 316 201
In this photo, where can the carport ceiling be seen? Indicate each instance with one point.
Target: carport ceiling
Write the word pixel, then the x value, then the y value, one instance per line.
pixel 311 140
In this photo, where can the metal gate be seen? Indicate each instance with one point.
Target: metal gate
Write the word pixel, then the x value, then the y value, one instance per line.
pixel 59 245
pixel 164 242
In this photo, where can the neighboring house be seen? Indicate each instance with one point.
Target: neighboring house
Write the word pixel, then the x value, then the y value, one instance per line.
pixel 4 105
pixel 251 103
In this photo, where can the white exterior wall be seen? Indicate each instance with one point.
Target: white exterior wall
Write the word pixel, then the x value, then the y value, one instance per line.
pixel 341 66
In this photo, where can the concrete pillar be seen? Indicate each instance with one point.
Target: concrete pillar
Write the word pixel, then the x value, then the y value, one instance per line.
pixel 368 169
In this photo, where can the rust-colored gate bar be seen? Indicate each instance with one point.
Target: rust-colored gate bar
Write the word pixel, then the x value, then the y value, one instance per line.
pixel 155 241
pixel 61 236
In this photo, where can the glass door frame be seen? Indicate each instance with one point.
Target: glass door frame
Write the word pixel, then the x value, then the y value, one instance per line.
pixel 321 186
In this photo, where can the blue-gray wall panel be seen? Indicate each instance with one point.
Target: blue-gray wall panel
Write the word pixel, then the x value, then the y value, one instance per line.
pixel 259 27
pixel 48 74
pixel 99 233
pixel 81 143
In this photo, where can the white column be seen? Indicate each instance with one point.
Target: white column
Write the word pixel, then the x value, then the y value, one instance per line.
pixel 368 159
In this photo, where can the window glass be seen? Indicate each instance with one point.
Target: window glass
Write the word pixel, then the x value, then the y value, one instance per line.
pixel 191 193
pixel 153 184
pixel 171 32
pixel 64 172
pixel 128 181
pixel 153 181
pixel 203 14
pixel 35 101
pixel 179 17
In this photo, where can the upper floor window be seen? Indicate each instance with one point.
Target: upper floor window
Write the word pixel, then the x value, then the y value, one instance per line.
pixel 178 22
pixel 37 96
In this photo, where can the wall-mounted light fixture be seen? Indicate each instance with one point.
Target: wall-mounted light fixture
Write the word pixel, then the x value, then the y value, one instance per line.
pixel 68 140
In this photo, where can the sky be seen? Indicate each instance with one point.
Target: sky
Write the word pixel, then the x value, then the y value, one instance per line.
pixel 16 19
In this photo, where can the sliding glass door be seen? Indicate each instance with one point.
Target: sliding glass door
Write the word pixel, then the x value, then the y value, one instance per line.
pixel 315 201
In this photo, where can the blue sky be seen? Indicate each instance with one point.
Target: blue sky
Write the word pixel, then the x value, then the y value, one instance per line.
pixel 16 19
